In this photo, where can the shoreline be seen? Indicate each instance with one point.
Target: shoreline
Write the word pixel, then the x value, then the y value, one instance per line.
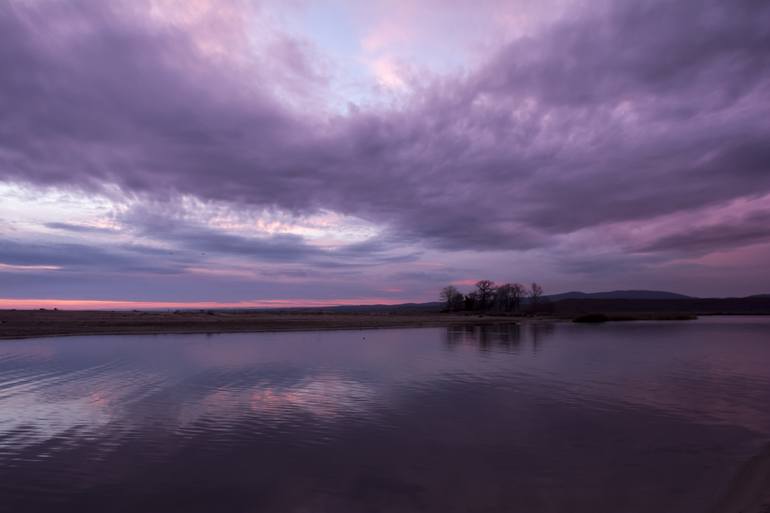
pixel 26 324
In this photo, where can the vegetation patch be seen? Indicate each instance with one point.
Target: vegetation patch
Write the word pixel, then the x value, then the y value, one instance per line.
pixel 592 318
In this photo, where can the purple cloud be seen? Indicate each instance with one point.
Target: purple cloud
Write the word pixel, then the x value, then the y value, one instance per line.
pixel 623 114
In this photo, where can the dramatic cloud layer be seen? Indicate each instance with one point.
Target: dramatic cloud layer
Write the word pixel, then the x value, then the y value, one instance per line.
pixel 621 144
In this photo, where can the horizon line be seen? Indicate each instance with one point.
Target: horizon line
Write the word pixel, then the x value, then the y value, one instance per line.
pixel 109 304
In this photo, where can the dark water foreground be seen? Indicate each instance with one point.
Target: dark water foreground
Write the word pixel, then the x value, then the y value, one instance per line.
pixel 632 417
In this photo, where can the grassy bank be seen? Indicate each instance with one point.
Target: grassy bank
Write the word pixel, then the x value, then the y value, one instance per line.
pixel 16 324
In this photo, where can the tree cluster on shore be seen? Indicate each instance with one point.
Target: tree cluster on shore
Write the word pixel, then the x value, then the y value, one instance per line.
pixel 490 297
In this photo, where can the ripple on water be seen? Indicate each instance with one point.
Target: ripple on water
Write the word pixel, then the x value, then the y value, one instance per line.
pixel 628 418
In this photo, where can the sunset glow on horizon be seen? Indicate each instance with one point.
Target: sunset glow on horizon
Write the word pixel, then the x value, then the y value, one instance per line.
pixel 79 304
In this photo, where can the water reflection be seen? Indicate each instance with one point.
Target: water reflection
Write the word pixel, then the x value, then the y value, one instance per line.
pixel 533 417
pixel 504 337
pixel 324 397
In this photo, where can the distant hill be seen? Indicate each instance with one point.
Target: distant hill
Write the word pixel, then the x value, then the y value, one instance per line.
pixel 618 294
pixel 435 306
pixel 695 306
pixel 616 301
pixel 577 303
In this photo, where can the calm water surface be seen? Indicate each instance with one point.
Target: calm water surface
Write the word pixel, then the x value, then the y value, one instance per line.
pixel 631 417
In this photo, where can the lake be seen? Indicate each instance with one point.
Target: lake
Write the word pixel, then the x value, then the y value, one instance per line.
pixel 650 417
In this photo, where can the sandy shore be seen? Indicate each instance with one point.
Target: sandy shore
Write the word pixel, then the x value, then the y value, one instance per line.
pixel 15 324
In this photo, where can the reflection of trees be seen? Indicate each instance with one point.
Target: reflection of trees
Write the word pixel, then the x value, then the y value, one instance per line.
pixel 539 331
pixel 508 337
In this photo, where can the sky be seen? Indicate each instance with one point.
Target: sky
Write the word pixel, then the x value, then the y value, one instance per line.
pixel 292 152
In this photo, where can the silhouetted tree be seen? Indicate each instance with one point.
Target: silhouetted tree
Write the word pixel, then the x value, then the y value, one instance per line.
pixel 508 296
pixel 502 299
pixel 517 292
pixel 452 298
pixel 535 293
pixel 471 301
pixel 485 289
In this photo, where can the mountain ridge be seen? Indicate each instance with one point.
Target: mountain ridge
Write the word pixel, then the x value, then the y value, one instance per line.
pixel 619 294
